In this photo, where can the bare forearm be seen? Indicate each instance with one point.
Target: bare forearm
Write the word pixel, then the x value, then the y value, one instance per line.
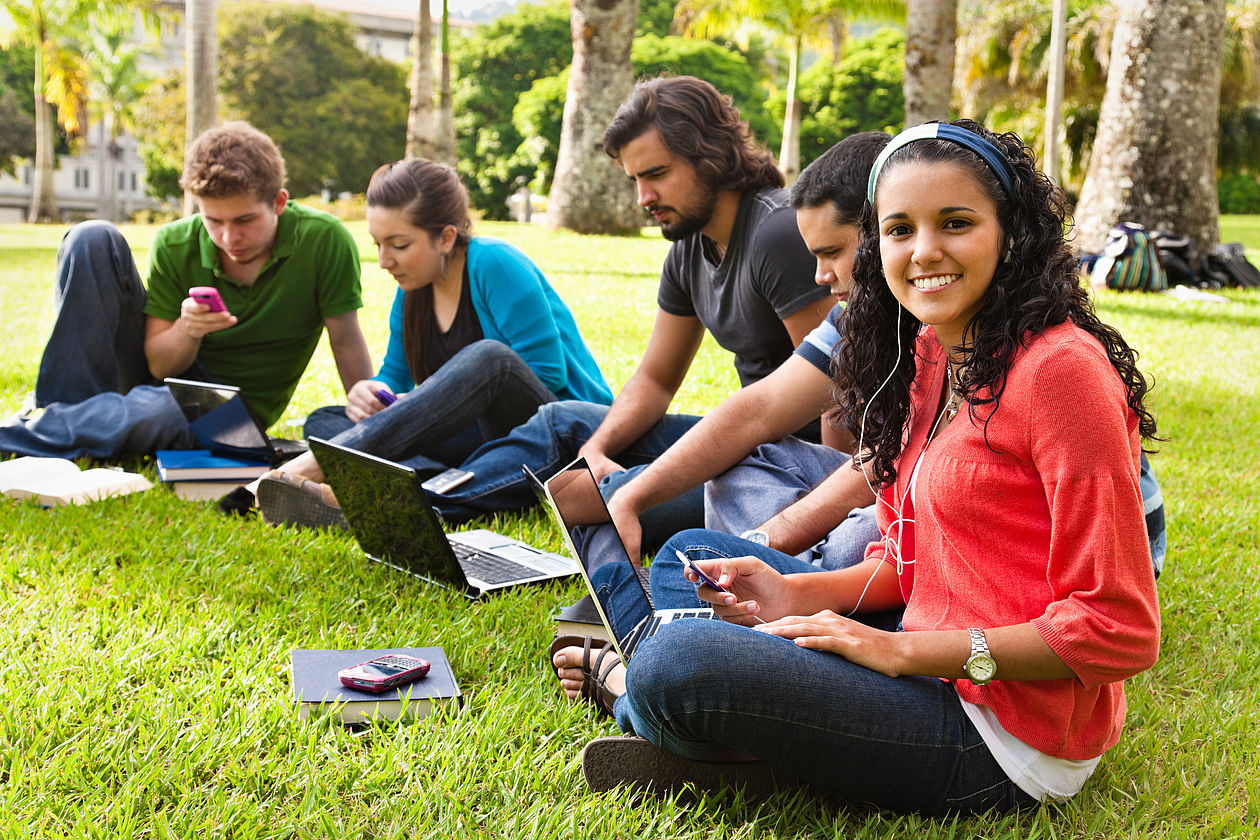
pixel 354 362
pixel 170 351
pixel 1019 651
pixel 808 520
pixel 640 404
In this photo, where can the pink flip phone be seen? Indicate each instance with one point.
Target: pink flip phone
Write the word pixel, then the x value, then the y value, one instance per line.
pixel 209 296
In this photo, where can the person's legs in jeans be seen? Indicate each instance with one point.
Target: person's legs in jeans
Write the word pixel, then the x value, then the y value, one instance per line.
pixel 549 441
pixel 103 426
pixel 622 598
pixel 708 689
pixel 775 476
pixel 326 423
pixel 485 385
pixel 97 340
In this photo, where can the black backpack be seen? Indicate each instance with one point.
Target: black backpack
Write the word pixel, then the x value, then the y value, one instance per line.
pixel 1227 267
pixel 1177 254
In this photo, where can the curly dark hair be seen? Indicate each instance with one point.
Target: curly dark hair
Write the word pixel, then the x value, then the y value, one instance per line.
pixel 1035 287
pixel 696 123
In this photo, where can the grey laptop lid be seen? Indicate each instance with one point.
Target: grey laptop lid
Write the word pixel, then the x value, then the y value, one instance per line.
pixel 393 521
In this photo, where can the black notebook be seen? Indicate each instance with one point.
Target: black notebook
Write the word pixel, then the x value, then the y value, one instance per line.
pixel 317 690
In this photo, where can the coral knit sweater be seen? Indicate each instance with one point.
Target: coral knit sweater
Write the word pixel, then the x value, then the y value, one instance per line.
pixel 1042 522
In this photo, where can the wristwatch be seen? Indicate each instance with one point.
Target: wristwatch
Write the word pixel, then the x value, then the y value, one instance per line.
pixel 754 535
pixel 980 667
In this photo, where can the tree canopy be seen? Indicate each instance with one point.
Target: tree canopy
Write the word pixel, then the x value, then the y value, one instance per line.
pixel 295 73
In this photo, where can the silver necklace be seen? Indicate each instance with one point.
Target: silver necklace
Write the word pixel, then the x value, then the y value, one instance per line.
pixel 954 401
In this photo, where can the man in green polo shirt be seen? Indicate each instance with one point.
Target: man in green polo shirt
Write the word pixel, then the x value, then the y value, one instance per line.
pixel 284 272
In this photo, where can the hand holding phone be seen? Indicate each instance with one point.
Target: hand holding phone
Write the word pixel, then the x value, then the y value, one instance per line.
pixel 383 672
pixel 695 570
pixel 708 581
pixel 208 296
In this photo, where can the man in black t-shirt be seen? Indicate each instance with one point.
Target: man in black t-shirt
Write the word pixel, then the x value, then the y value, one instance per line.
pixel 738 268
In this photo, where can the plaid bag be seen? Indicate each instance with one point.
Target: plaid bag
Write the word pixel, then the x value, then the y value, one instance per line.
pixel 1129 260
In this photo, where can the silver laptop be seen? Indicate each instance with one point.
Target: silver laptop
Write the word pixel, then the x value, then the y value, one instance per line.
pixel 579 509
pixel 224 423
pixel 394 523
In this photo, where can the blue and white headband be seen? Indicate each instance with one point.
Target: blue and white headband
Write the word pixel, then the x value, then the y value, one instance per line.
pixel 944 131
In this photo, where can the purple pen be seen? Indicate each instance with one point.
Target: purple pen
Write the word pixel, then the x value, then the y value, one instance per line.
pixel 385 396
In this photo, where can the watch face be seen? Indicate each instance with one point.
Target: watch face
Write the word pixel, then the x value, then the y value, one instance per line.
pixel 981 669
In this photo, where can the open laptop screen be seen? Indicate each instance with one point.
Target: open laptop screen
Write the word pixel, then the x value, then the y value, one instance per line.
pixel 389 514
pixel 220 419
pixel 584 517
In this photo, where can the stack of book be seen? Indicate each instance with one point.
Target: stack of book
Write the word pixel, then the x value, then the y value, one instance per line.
pixel 59 481
pixel 199 474
pixel 318 691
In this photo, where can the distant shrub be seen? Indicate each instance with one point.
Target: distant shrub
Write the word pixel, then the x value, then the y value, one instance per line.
pixel 1239 194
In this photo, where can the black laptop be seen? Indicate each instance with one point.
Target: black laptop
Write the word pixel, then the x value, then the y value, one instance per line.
pixel 394 523
pixel 224 423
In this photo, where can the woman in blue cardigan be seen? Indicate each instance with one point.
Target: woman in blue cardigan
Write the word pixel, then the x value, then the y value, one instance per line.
pixel 478 341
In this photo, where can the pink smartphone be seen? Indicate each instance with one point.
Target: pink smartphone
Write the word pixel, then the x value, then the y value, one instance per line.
pixel 209 296
pixel 383 672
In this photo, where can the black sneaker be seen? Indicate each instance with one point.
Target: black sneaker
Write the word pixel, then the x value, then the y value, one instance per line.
pixel 240 502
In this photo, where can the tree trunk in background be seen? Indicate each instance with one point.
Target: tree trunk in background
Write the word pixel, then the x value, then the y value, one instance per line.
pixel 444 138
pixel 43 200
pixel 589 193
pixel 1154 157
pixel 790 150
pixel 201 76
pixel 420 115
pixel 931 29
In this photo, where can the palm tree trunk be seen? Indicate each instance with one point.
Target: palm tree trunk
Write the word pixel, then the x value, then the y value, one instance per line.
pixel 43 201
pixel 420 140
pixel 931 30
pixel 790 151
pixel 446 109
pixel 589 194
pixel 1154 158
pixel 201 75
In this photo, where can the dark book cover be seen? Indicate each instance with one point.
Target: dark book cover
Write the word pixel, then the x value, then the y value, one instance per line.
pixel 580 619
pixel 317 690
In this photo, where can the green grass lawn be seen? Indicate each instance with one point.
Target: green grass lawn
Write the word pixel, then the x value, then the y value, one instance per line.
pixel 144 690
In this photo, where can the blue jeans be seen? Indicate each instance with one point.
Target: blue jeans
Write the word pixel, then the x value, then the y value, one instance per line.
pixel 481 393
pixel 547 442
pixel 620 595
pixel 775 476
pixel 705 689
pixel 94 383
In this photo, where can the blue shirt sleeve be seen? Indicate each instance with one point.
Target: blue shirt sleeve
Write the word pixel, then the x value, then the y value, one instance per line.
pixel 820 344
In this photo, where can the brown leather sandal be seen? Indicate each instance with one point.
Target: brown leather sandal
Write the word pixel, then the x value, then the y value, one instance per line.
pixel 594 674
pixel 285 499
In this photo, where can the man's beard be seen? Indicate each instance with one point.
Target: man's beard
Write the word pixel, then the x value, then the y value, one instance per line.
pixel 694 218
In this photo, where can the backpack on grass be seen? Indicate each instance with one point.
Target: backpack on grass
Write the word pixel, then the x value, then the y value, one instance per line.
pixel 1129 261
pixel 1227 266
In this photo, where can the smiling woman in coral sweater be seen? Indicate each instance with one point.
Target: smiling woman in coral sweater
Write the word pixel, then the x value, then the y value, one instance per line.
pixel 1002 423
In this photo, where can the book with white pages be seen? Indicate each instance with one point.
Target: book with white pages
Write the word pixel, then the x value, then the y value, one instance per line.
pixel 60 481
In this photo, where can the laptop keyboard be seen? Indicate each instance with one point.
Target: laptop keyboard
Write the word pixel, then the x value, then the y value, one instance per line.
pixel 489 569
